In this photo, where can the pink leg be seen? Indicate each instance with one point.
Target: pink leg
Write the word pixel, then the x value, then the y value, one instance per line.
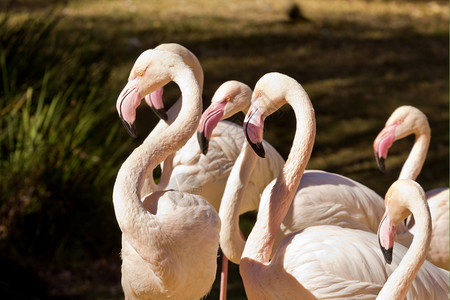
pixel 223 278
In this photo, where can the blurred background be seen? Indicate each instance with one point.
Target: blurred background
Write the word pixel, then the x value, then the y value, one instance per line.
pixel 63 64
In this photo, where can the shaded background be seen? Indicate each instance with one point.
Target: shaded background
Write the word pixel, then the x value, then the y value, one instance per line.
pixel 63 64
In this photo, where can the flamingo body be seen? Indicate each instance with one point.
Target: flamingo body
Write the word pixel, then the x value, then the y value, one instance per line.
pixel 438 201
pixel 324 198
pixel 186 223
pixel 341 263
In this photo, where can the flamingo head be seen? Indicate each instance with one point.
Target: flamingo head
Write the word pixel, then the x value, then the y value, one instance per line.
pixel 151 71
pixel 382 143
pixel 386 234
pixel 403 121
pixel 230 98
pixel 266 99
pixel 397 202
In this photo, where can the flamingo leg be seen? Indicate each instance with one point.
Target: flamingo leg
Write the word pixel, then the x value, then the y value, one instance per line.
pixel 223 278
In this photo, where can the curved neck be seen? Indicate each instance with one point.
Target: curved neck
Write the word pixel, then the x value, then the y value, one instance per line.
pixel 172 115
pixel 416 158
pixel 398 284
pixel 134 221
pixel 149 185
pixel 273 210
pixel 231 240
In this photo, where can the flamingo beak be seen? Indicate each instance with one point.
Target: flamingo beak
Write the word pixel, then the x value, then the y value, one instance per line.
pixel 126 105
pixel 155 101
pixel 381 145
pixel 253 128
pixel 209 120
pixel 385 234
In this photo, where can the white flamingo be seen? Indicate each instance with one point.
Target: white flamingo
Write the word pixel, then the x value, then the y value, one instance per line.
pixel 230 98
pixel 328 262
pixel 406 120
pixel 170 239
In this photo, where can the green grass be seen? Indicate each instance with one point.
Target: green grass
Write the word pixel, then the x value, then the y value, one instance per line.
pixel 59 159
pixel 62 143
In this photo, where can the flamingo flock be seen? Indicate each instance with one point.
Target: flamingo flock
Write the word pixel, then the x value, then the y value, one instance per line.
pixel 318 235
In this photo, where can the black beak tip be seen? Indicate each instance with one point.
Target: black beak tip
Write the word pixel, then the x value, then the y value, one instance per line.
pixel 203 142
pixel 257 147
pixel 131 129
pixel 380 163
pixel 387 253
pixel 161 113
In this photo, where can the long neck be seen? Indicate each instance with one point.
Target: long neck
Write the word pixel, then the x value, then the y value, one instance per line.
pixel 149 185
pixel 272 211
pixel 231 239
pixel 172 115
pixel 134 221
pixel 398 284
pixel 413 164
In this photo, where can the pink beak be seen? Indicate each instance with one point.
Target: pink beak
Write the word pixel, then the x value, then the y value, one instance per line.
pixel 210 118
pixel 386 234
pixel 382 143
pixel 127 103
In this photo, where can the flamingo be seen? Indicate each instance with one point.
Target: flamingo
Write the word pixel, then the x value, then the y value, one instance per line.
pixel 171 238
pixel 230 98
pixel 322 197
pixel 406 120
pixel 188 170
pixel 324 261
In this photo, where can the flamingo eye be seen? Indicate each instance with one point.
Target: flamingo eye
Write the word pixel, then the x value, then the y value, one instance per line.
pixel 228 99
pixel 140 73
